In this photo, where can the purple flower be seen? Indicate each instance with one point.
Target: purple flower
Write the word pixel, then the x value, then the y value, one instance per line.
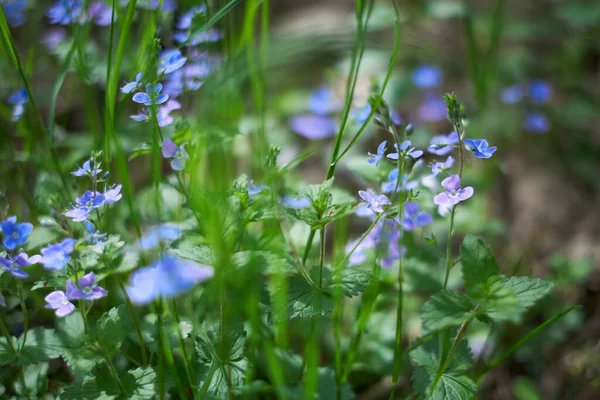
pixel 89 168
pixel 396 118
pixel 454 194
pixel 57 256
pixel 374 201
pixel 540 91
pixel 14 264
pixel 93 236
pixel 394 251
pixel 163 115
pixel 375 158
pixel 190 77
pixel 537 123
pixel 413 218
pixel 185 21
pixel 479 147
pixel 18 99
pixel 254 189
pixel 433 108
pixel 170 61
pixel 64 12
pixel 404 185
pixel 427 77
pixel 405 151
pixel 512 94
pixel 441 145
pixel 296 203
pixel 166 277
pixel 84 205
pixel 313 127
pixel 438 167
pixel 101 13
pixel 322 102
pixel 15 11
pixel 178 154
pixel 88 289
pixel 162 233
pixel 131 86
pixel 59 302
pixel 362 114
pixel 15 234
pixel 151 96
pixel 113 194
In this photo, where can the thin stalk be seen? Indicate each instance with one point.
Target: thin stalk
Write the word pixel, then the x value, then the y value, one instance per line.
pixel 322 257
pixel 112 370
pixel 449 248
pixel 8 337
pixel 182 344
pixel 134 318
pixel 24 310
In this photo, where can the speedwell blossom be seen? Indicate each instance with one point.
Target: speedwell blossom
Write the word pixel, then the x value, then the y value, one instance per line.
pixel 392 183
pixel 88 289
pixel 177 153
pixel 438 166
pixel 170 61
pixel 254 189
pixel 433 108
pixel 512 94
pixel 375 202
pixel 441 145
pixel 454 194
pixel 57 256
pixel 14 265
pixel 59 302
pixel 405 151
pixel 84 205
pixel 15 11
pixel 152 95
pixel 480 148
pixel 296 203
pixel 89 168
pixel 375 158
pixel 414 218
pixel 313 127
pixel 322 101
pixel 540 91
pixel 131 86
pixel 162 233
pixel 18 99
pixel 64 12
pixel 536 123
pixel 92 235
pixel 15 234
pixel 427 77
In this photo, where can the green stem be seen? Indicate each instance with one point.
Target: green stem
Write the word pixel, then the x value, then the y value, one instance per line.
pixel 8 337
pixel 113 370
pixel 449 248
pixel 24 310
pixel 322 257
pixel 134 318
pixel 182 344
pixel 311 237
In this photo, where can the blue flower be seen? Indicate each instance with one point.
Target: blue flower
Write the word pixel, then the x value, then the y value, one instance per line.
pixel 540 91
pixel 375 158
pixel 14 264
pixel 18 99
pixel 101 13
pixel 396 118
pixel 405 151
pixel 151 96
pixel 394 250
pixel 84 205
pixel 177 153
pixel 93 236
pixel 441 145
pixel 433 108
pixel 512 95
pixel 537 123
pixel 454 194
pixel 136 84
pixel 362 114
pixel 314 127
pixel 438 167
pixel 64 12
pixel 163 114
pixel 375 202
pixel 413 218
pixel 209 35
pixel 113 194
pixel 15 11
pixel 254 189
pixel 88 289
pixel 405 184
pixel 427 77
pixel 59 302
pixel 479 147
pixel 296 203
pixel 162 233
pixel 185 21
pixel 166 277
pixel 15 234
pixel 170 61
pixel 322 102
pixel 89 168
pixel 57 256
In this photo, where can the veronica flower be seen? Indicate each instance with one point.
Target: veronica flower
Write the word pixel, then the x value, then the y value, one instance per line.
pixel 374 201
pixel 14 11
pixel 537 123
pixel 433 108
pixel 89 168
pixel 454 194
pixel 53 37
pixel 177 153
pixel 396 118
pixel 64 12
pixel 14 265
pixel 322 102
pixel 59 302
pixel 163 115
pixel 394 250
pixel 296 203
pixel 151 96
pixel 113 194
pixel 170 61
pixel 131 86
pixel 405 151
pixel 427 77
pixel 167 5
pixel 438 167
pixel 84 205
pixel 540 91
pixel 15 234
pixel 512 95
pixel 185 21
pixel 162 233
pixel 57 256
pixel 101 13
pixel 314 127
pixel 479 147
pixel 413 218
pixel 441 145
pixel 88 289
pixel 362 114
pixel 166 277
pixel 375 158
pixel 93 236
pixel 207 36
pixel 18 99
pixel 404 185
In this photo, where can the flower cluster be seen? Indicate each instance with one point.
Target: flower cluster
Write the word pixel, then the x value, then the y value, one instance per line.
pixel 539 92
pixel 318 124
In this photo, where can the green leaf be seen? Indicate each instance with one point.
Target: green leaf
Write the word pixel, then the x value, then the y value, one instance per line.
pixel 198 254
pixel 87 389
pixel 112 329
pixel 6 354
pixel 446 308
pixel 262 261
pixel 40 345
pixel 139 384
pixel 453 384
pixel 353 281
pixel 35 378
pixel 478 263
pixel 145 148
pixel 305 300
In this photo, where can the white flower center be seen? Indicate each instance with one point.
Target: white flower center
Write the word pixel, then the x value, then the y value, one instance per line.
pixel 15 235
pixel 64 301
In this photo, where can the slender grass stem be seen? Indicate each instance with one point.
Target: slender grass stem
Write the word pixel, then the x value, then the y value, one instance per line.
pixel 24 310
pixel 134 318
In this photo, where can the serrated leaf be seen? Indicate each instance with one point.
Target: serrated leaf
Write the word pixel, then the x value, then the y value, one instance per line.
pixel 85 390
pixel 6 354
pixel 478 263
pixel 139 384
pixel 111 329
pixel 446 308
pixel 198 254
pixel 40 345
pixel 353 281
pixel 304 300
pixel 35 378
pixel 263 261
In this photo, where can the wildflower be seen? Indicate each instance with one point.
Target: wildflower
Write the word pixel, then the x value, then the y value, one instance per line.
pixel 151 96
pixel 322 102
pixel 512 95
pixel 84 205
pixel 163 114
pixel 166 277
pixel 438 167
pixel 194 39
pixel 540 91
pixel 59 302
pixel 18 99
pixel 537 123
pixel 53 37
pixel 15 234
pixel 64 12
pixel 113 194
pixel 178 154
pixel 57 256
pixel 375 202
pixel 101 13
pixel 362 115
pixel 404 185
pixel 15 11
pixel 413 218
pixel 296 203
pixel 89 168
pixel 427 77
pixel 375 158
pixel 185 21
pixel 170 61
pixel 480 148
pixel 131 86
pixel 433 108
pixel 14 265
pixel 454 194
pixel 253 189
pixel 441 145
pixel 162 233
pixel 93 236
pixel 313 127
pixel 396 118
pixel 405 151
pixel 394 250
pixel 88 289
